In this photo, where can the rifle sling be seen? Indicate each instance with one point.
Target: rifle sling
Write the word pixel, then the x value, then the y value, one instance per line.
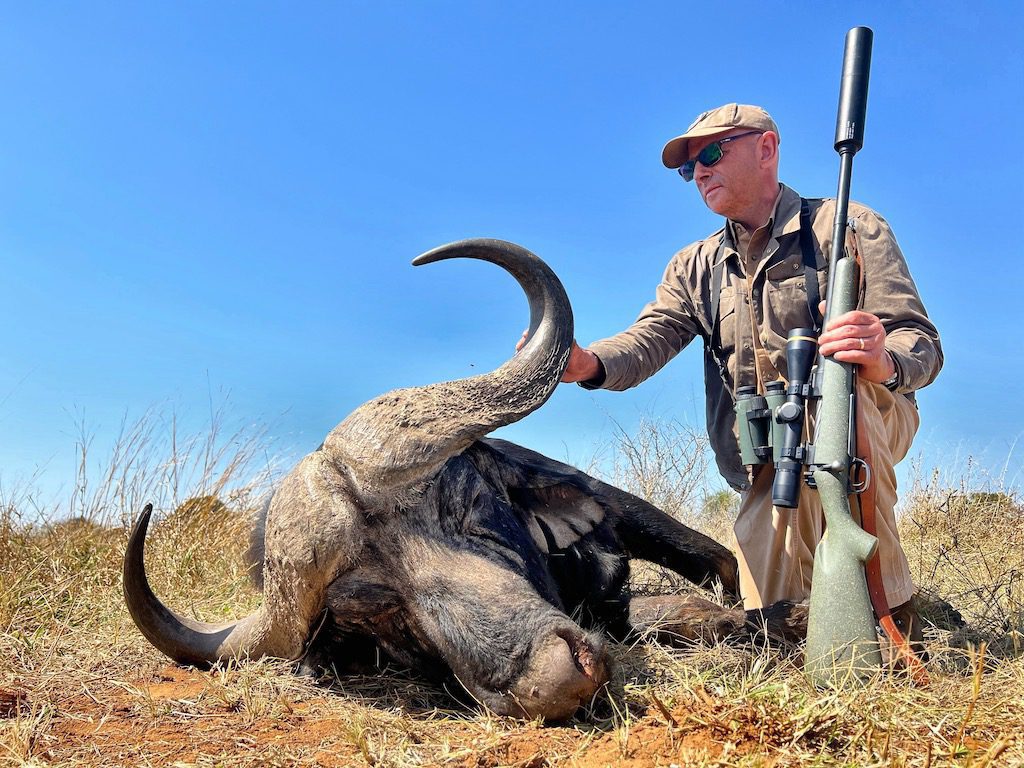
pixel 873 567
pixel 810 265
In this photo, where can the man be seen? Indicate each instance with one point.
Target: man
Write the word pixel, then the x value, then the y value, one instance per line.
pixel 761 292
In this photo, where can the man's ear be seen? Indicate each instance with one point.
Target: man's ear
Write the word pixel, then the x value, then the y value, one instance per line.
pixel 768 147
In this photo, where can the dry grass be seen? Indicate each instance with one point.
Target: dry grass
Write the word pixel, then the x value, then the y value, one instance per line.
pixel 80 687
pixel 968 546
pixel 669 463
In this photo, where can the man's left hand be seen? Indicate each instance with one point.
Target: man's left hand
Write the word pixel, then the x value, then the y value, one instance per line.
pixel 859 338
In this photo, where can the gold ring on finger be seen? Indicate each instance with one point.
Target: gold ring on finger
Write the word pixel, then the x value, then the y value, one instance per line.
pixel 861 344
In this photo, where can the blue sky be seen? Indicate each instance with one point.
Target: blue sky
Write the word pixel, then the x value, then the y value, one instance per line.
pixel 220 201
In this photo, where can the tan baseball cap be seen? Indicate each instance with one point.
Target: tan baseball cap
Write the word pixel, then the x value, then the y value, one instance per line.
pixel 715 121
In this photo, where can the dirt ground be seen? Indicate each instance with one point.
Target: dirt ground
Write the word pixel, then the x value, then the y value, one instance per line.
pixel 173 719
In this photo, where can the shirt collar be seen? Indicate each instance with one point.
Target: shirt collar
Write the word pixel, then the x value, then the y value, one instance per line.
pixel 787 212
pixel 787 204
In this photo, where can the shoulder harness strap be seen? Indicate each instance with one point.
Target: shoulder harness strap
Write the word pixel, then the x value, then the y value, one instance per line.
pixel 713 342
pixel 810 265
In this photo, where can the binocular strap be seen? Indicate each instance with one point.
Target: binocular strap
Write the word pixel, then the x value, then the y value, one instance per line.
pixel 873 567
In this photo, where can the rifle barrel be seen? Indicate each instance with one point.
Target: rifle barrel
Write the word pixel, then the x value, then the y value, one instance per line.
pixel 850 117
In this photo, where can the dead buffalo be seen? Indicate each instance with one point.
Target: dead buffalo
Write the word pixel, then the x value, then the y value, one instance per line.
pixel 408 533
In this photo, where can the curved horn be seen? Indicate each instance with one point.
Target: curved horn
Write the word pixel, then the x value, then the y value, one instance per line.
pixel 184 640
pixel 407 434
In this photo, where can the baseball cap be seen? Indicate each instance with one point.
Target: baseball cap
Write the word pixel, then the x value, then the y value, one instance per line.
pixel 715 121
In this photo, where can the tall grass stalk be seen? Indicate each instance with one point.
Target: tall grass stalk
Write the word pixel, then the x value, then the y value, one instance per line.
pixel 152 460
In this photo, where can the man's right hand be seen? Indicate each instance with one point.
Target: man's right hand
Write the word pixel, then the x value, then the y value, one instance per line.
pixel 583 364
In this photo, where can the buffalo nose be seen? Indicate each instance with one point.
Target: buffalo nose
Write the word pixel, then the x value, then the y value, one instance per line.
pixel 566 669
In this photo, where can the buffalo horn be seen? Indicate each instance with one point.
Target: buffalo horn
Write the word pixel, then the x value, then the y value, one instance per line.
pixel 407 434
pixel 184 640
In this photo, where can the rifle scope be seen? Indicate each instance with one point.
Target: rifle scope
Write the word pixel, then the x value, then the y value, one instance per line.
pixel 801 347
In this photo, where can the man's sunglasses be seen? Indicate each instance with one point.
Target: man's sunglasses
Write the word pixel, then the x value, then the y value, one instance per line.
pixel 710 155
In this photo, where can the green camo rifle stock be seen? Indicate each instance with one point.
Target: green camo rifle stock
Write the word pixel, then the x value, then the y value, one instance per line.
pixel 842 644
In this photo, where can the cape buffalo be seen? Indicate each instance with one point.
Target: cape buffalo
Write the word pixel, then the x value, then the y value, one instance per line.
pixel 461 557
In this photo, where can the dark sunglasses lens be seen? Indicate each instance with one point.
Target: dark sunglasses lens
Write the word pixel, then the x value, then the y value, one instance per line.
pixel 710 155
pixel 707 157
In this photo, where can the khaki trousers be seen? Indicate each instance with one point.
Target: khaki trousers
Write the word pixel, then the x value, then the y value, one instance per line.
pixel 775 546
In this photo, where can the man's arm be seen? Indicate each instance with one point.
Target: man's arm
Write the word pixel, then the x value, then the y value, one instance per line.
pixel 664 327
pixel 892 332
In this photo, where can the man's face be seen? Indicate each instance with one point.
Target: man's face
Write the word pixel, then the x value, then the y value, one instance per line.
pixel 731 185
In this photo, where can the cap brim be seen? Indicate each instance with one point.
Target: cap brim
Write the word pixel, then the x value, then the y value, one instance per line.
pixel 677 151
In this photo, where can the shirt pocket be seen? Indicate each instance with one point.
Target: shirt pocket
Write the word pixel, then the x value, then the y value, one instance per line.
pixel 784 301
pixel 727 320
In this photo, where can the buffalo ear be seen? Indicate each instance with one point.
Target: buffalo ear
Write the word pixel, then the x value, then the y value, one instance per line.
pixel 565 502
pixel 556 501
pixel 557 515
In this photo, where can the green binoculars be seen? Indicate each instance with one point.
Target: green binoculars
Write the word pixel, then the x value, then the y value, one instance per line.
pixel 760 433
pixel 770 426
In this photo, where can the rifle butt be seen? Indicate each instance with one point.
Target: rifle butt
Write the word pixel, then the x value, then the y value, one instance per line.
pixel 842 642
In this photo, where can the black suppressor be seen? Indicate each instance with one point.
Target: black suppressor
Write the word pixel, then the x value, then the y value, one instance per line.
pixel 801 347
pixel 853 91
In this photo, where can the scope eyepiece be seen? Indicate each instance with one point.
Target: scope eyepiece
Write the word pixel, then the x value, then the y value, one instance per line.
pixel 786 486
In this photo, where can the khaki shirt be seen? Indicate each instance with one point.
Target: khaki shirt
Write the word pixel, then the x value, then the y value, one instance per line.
pixel 775 293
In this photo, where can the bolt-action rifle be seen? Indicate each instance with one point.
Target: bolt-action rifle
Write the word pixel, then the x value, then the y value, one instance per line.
pixel 841 638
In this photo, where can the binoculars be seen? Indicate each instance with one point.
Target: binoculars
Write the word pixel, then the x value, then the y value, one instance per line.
pixel 771 425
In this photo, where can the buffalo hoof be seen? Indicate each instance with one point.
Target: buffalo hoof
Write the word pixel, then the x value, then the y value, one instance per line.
pixel 685 619
pixel 784 622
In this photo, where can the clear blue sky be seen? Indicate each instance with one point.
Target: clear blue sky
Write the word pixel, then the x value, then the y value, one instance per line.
pixel 208 200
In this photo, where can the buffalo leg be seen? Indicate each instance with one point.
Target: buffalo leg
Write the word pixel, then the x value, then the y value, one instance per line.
pixel 650 534
pixel 683 618
pixel 675 619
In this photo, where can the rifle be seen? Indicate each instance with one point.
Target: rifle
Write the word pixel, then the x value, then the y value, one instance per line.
pixel 842 644
pixel 846 589
pixel 841 638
